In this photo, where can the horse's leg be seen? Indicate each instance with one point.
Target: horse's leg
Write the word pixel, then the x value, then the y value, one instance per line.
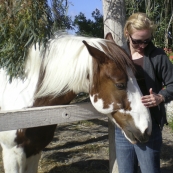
pixel 13 155
pixel 15 161
pixel 14 158
pixel 32 163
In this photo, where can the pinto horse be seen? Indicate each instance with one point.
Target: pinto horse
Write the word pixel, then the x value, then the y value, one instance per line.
pixel 54 75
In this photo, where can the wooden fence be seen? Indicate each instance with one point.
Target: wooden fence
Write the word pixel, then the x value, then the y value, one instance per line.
pixel 41 116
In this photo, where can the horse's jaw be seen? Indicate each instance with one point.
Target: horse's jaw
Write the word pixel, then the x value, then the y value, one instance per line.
pixel 126 123
pixel 124 120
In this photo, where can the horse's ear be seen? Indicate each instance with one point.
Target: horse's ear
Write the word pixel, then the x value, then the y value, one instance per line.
pixel 95 53
pixel 109 36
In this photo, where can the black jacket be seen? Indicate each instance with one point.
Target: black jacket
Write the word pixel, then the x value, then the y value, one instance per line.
pixel 158 71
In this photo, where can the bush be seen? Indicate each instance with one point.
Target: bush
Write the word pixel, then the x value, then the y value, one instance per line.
pixel 171 58
pixel 169 54
pixel 171 125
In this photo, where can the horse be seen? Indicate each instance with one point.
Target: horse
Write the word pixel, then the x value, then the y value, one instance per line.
pixel 54 75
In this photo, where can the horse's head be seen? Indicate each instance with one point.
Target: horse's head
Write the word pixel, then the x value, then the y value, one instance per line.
pixel 115 92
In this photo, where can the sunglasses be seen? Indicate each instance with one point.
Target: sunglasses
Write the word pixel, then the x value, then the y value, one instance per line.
pixel 134 41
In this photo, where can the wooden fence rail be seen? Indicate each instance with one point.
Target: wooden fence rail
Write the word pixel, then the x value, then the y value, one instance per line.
pixel 42 116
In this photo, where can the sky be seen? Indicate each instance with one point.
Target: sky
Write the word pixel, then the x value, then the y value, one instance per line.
pixel 84 6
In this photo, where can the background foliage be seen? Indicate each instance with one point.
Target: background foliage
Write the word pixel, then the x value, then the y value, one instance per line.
pixel 26 22
pixel 160 11
pixel 94 28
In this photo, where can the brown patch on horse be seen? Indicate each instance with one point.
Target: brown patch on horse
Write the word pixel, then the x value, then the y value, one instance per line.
pixel 34 140
pixel 51 101
pixel 122 119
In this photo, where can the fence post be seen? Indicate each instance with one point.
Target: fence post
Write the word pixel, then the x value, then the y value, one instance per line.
pixel 113 167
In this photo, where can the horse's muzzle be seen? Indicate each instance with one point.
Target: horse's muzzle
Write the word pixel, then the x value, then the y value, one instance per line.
pixel 135 135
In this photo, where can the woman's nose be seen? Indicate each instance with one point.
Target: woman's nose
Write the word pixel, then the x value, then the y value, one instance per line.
pixel 142 45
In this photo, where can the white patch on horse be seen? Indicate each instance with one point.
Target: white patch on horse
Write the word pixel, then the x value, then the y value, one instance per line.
pixel 99 105
pixel 14 159
pixel 124 111
pixel 6 137
pixel 140 113
pixel 32 163
pixel 119 105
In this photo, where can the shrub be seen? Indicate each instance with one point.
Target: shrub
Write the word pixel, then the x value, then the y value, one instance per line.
pixel 169 54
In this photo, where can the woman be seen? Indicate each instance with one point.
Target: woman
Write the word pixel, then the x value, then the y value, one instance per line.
pixel 153 69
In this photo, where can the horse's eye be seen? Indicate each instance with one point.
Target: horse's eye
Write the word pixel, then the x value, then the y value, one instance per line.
pixel 121 86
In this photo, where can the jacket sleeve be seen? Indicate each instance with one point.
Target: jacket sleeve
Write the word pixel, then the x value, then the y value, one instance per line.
pixel 165 71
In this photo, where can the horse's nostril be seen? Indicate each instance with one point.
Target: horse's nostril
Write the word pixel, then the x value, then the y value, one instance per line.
pixel 146 132
pixel 145 136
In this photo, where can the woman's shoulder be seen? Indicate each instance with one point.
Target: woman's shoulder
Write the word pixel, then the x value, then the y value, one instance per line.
pixel 152 50
pixel 159 51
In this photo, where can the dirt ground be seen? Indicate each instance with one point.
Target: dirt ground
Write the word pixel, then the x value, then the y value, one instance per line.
pixel 82 147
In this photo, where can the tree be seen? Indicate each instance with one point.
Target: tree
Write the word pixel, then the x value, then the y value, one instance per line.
pixel 23 23
pixel 89 27
pixel 61 20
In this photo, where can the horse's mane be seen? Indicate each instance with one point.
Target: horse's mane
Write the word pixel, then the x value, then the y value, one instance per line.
pixel 66 63
pixel 119 56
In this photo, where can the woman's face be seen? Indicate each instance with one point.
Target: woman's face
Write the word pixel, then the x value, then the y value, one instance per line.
pixel 139 40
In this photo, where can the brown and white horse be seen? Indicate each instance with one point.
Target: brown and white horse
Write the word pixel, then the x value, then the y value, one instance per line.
pixel 69 65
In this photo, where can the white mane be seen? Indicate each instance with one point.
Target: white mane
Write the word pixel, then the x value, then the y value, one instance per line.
pixel 66 65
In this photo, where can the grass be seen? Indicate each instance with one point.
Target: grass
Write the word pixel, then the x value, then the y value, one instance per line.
pixel 171 124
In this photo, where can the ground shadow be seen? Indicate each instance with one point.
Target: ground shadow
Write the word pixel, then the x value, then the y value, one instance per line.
pixel 87 166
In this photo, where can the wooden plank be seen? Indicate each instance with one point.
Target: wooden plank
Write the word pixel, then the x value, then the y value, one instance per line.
pixel 41 116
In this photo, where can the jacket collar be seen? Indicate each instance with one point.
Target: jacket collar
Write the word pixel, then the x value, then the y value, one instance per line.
pixel 150 47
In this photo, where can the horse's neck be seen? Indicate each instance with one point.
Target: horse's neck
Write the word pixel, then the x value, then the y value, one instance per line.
pixel 50 100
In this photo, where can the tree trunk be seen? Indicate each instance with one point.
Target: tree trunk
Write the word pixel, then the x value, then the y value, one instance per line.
pixel 114 19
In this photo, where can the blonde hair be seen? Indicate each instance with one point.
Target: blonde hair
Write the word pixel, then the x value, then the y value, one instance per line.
pixel 138 21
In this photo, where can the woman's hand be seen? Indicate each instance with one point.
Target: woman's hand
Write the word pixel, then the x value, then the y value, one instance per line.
pixel 152 100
